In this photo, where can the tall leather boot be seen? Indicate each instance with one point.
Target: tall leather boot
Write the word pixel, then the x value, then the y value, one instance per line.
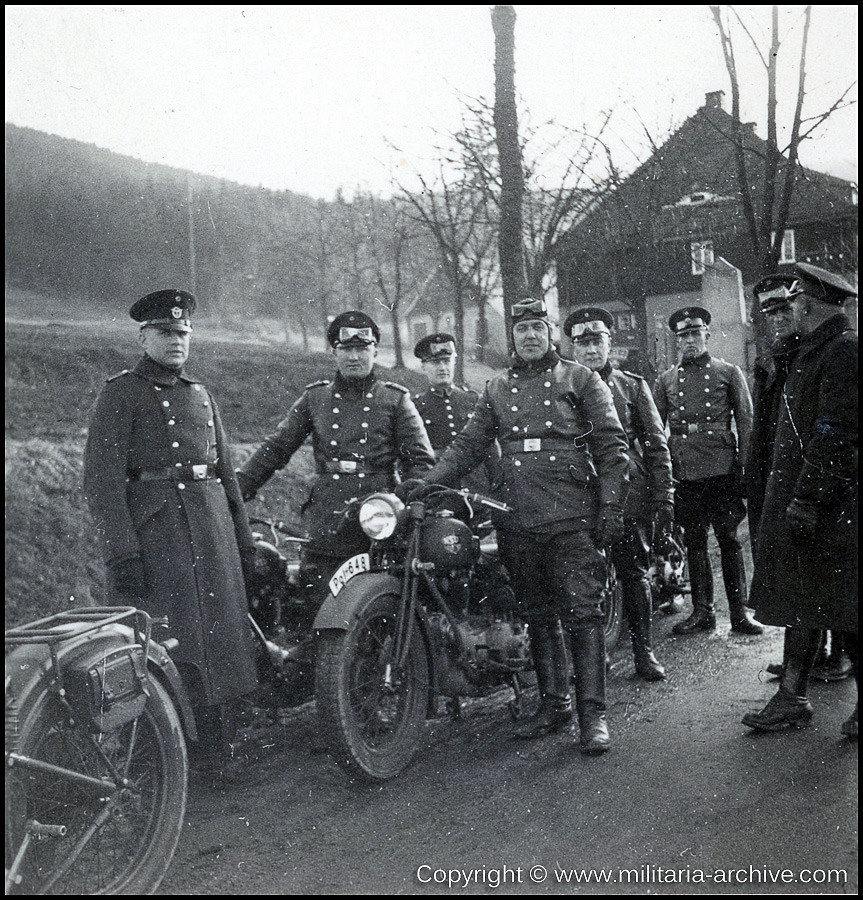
pixel 734 579
pixel 588 659
pixel 552 679
pixel 789 707
pixel 637 602
pixel 703 617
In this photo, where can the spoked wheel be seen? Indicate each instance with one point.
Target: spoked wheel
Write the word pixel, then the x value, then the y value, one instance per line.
pixel 119 838
pixel 612 608
pixel 372 712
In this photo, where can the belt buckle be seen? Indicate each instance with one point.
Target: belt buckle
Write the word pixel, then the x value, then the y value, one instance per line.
pixel 347 465
pixel 531 445
pixel 692 427
pixel 199 473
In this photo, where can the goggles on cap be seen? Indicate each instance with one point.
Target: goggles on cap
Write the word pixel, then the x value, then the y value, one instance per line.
pixel 440 351
pixel 689 325
pixel 521 309
pixel 597 326
pixel 364 335
pixel 777 297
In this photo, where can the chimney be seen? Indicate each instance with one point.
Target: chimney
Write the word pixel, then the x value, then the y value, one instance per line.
pixel 713 99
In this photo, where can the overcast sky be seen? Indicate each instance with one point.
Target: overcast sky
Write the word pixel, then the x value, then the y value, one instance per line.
pixel 305 97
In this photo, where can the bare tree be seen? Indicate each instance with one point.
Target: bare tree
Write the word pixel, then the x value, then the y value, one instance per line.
pixel 767 181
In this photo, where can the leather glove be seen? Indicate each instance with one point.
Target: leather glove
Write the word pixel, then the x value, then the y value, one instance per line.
pixel 247 562
pixel 128 578
pixel 802 519
pixel 662 515
pixel 409 489
pixel 247 488
pixel 610 527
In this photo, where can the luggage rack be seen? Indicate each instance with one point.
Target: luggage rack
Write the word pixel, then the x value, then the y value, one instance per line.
pixel 75 622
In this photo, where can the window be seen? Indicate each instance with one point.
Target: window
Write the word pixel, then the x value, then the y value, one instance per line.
pixel 786 252
pixel 420 329
pixel 701 254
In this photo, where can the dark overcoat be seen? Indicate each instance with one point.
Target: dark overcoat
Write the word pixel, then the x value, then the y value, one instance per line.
pixel 187 532
pixel 363 433
pixel 563 448
pixel 813 583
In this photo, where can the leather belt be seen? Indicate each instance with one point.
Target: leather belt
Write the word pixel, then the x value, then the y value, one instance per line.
pixel 699 428
pixel 175 473
pixel 352 467
pixel 535 445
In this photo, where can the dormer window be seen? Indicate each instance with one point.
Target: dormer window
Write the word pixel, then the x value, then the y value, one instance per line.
pixel 701 254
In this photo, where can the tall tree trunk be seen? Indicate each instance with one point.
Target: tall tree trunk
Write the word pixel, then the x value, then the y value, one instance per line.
pixel 510 246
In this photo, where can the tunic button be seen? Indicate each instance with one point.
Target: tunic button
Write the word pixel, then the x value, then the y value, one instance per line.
pixel 515 427
pixel 546 402
pixel 548 424
pixel 336 410
pixel 335 477
pixel 683 436
pixel 156 386
pixel 369 396
pixel 211 423
pixel 335 424
pixel 680 394
pixel 181 486
pixel 515 390
pixel 450 416
pixel 218 481
pixel 178 465
pixel 552 458
pixel 362 440
pixel 470 415
pixel 707 404
pixel 707 377
pixel 364 425
pixel 428 421
pixel 172 422
pixel 362 474
pixel 548 384
pixel 337 396
pixel 175 444
pixel 518 462
pixel 515 409
pixel 334 443
pixel 197 387
pixel 206 403
pixel 707 390
pixel 366 409
pixel 165 403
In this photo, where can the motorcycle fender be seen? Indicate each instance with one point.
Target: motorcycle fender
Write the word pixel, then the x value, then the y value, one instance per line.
pixel 163 667
pixel 339 612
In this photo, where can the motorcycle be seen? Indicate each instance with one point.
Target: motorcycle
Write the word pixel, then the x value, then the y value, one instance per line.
pixel 96 762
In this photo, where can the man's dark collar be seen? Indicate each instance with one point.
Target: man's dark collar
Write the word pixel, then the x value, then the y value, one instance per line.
pixel 154 371
pixel 826 330
pixel 354 384
pixel 537 365
pixel 605 372
pixel 699 360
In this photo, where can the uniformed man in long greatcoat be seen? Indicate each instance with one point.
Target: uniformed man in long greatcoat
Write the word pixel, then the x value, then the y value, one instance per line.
pixel 446 407
pixel 161 488
pixel 564 468
pixel 365 433
pixel 650 502
pixel 805 575
pixel 698 398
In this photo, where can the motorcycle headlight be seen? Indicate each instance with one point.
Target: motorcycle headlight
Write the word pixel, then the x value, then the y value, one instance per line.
pixel 379 516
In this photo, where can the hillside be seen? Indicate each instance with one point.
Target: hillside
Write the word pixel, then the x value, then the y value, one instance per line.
pixel 53 373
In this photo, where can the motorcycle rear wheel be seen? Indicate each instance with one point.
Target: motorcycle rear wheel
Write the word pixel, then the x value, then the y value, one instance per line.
pixel 135 829
pixel 373 729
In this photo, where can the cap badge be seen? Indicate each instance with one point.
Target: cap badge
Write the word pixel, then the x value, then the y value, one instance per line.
pixel 177 312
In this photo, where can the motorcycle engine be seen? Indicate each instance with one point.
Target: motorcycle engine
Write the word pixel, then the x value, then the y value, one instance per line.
pixel 448 543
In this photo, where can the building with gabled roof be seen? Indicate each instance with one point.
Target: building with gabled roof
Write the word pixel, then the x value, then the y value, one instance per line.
pixel 674 233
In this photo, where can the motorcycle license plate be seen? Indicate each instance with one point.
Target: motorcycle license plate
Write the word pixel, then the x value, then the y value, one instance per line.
pixel 346 571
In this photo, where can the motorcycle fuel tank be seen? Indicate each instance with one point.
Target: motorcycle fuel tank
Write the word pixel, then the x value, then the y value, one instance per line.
pixel 448 543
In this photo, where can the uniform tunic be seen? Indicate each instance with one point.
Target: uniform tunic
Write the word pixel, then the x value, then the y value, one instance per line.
pixel 698 398
pixel 813 584
pixel 563 457
pixel 362 432
pixel 445 411
pixel 186 530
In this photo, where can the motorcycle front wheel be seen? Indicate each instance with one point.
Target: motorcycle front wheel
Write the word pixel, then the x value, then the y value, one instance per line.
pixel 118 840
pixel 371 713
